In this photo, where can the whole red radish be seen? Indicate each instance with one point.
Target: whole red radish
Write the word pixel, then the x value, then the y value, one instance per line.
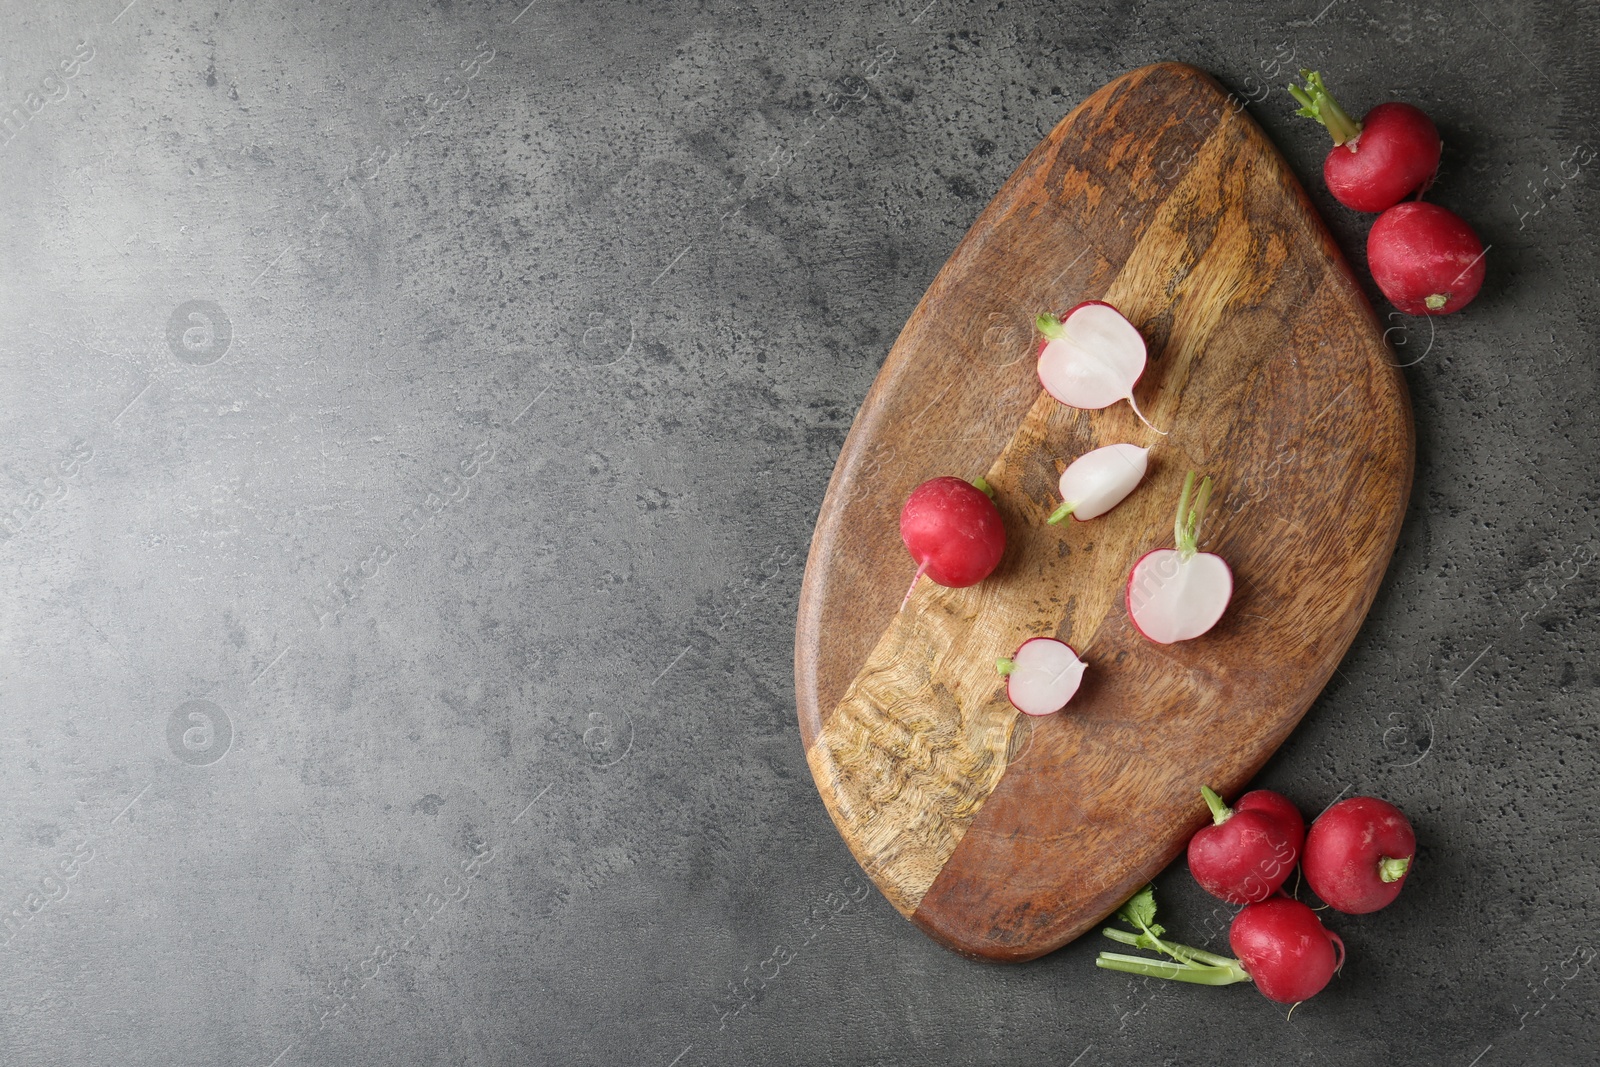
pixel 1248 851
pixel 1358 854
pixel 953 530
pixel 1377 162
pixel 1280 943
pixel 1426 259
pixel 1286 950
pixel 1279 807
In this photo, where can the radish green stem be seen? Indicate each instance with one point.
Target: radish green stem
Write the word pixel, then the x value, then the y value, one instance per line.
pixel 1180 972
pixel 1060 513
pixel 1192 964
pixel 1183 505
pixel 1005 666
pixel 1219 811
pixel 1150 939
pixel 1392 870
pixel 1317 103
pixel 983 486
pixel 1186 526
pixel 1182 953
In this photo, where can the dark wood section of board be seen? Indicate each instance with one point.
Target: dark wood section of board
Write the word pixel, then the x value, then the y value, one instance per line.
pixel 1004 837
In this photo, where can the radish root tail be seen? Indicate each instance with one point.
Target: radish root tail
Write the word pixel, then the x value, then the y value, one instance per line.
pixel 1134 404
pixel 912 588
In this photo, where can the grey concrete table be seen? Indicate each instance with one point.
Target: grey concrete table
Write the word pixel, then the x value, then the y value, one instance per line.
pixel 412 421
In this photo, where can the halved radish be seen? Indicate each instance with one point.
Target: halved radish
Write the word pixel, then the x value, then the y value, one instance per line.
pixel 1041 676
pixel 1178 593
pixel 1097 481
pixel 1092 357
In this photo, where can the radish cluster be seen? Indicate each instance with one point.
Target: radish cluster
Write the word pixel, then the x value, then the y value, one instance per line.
pixel 1090 358
pixel 1426 260
pixel 1355 857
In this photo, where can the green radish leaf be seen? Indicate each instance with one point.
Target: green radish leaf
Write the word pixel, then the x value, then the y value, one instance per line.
pixel 1140 910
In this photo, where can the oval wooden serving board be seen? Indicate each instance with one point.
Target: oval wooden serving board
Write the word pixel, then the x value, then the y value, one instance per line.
pixel 1005 837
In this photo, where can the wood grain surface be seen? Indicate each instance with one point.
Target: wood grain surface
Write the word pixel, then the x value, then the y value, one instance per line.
pixel 1004 837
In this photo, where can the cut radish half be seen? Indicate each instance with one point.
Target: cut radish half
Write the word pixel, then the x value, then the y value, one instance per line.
pixel 1176 594
pixel 1098 481
pixel 1173 599
pixel 1092 357
pixel 1041 676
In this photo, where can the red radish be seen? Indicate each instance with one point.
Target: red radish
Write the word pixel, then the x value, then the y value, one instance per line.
pixel 1281 944
pixel 1377 162
pixel 1285 948
pixel 1279 807
pixel 1097 481
pixel 1175 594
pixel 1247 852
pixel 1358 854
pixel 1092 357
pixel 1426 260
pixel 953 530
pixel 1041 676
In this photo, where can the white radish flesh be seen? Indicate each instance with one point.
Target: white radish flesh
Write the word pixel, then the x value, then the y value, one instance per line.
pixel 1042 675
pixel 1092 357
pixel 1177 593
pixel 1173 599
pixel 1098 481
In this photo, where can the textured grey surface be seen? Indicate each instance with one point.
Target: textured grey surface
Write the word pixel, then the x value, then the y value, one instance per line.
pixel 472 498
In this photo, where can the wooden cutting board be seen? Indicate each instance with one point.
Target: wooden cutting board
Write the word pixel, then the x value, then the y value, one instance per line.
pixel 1004 837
